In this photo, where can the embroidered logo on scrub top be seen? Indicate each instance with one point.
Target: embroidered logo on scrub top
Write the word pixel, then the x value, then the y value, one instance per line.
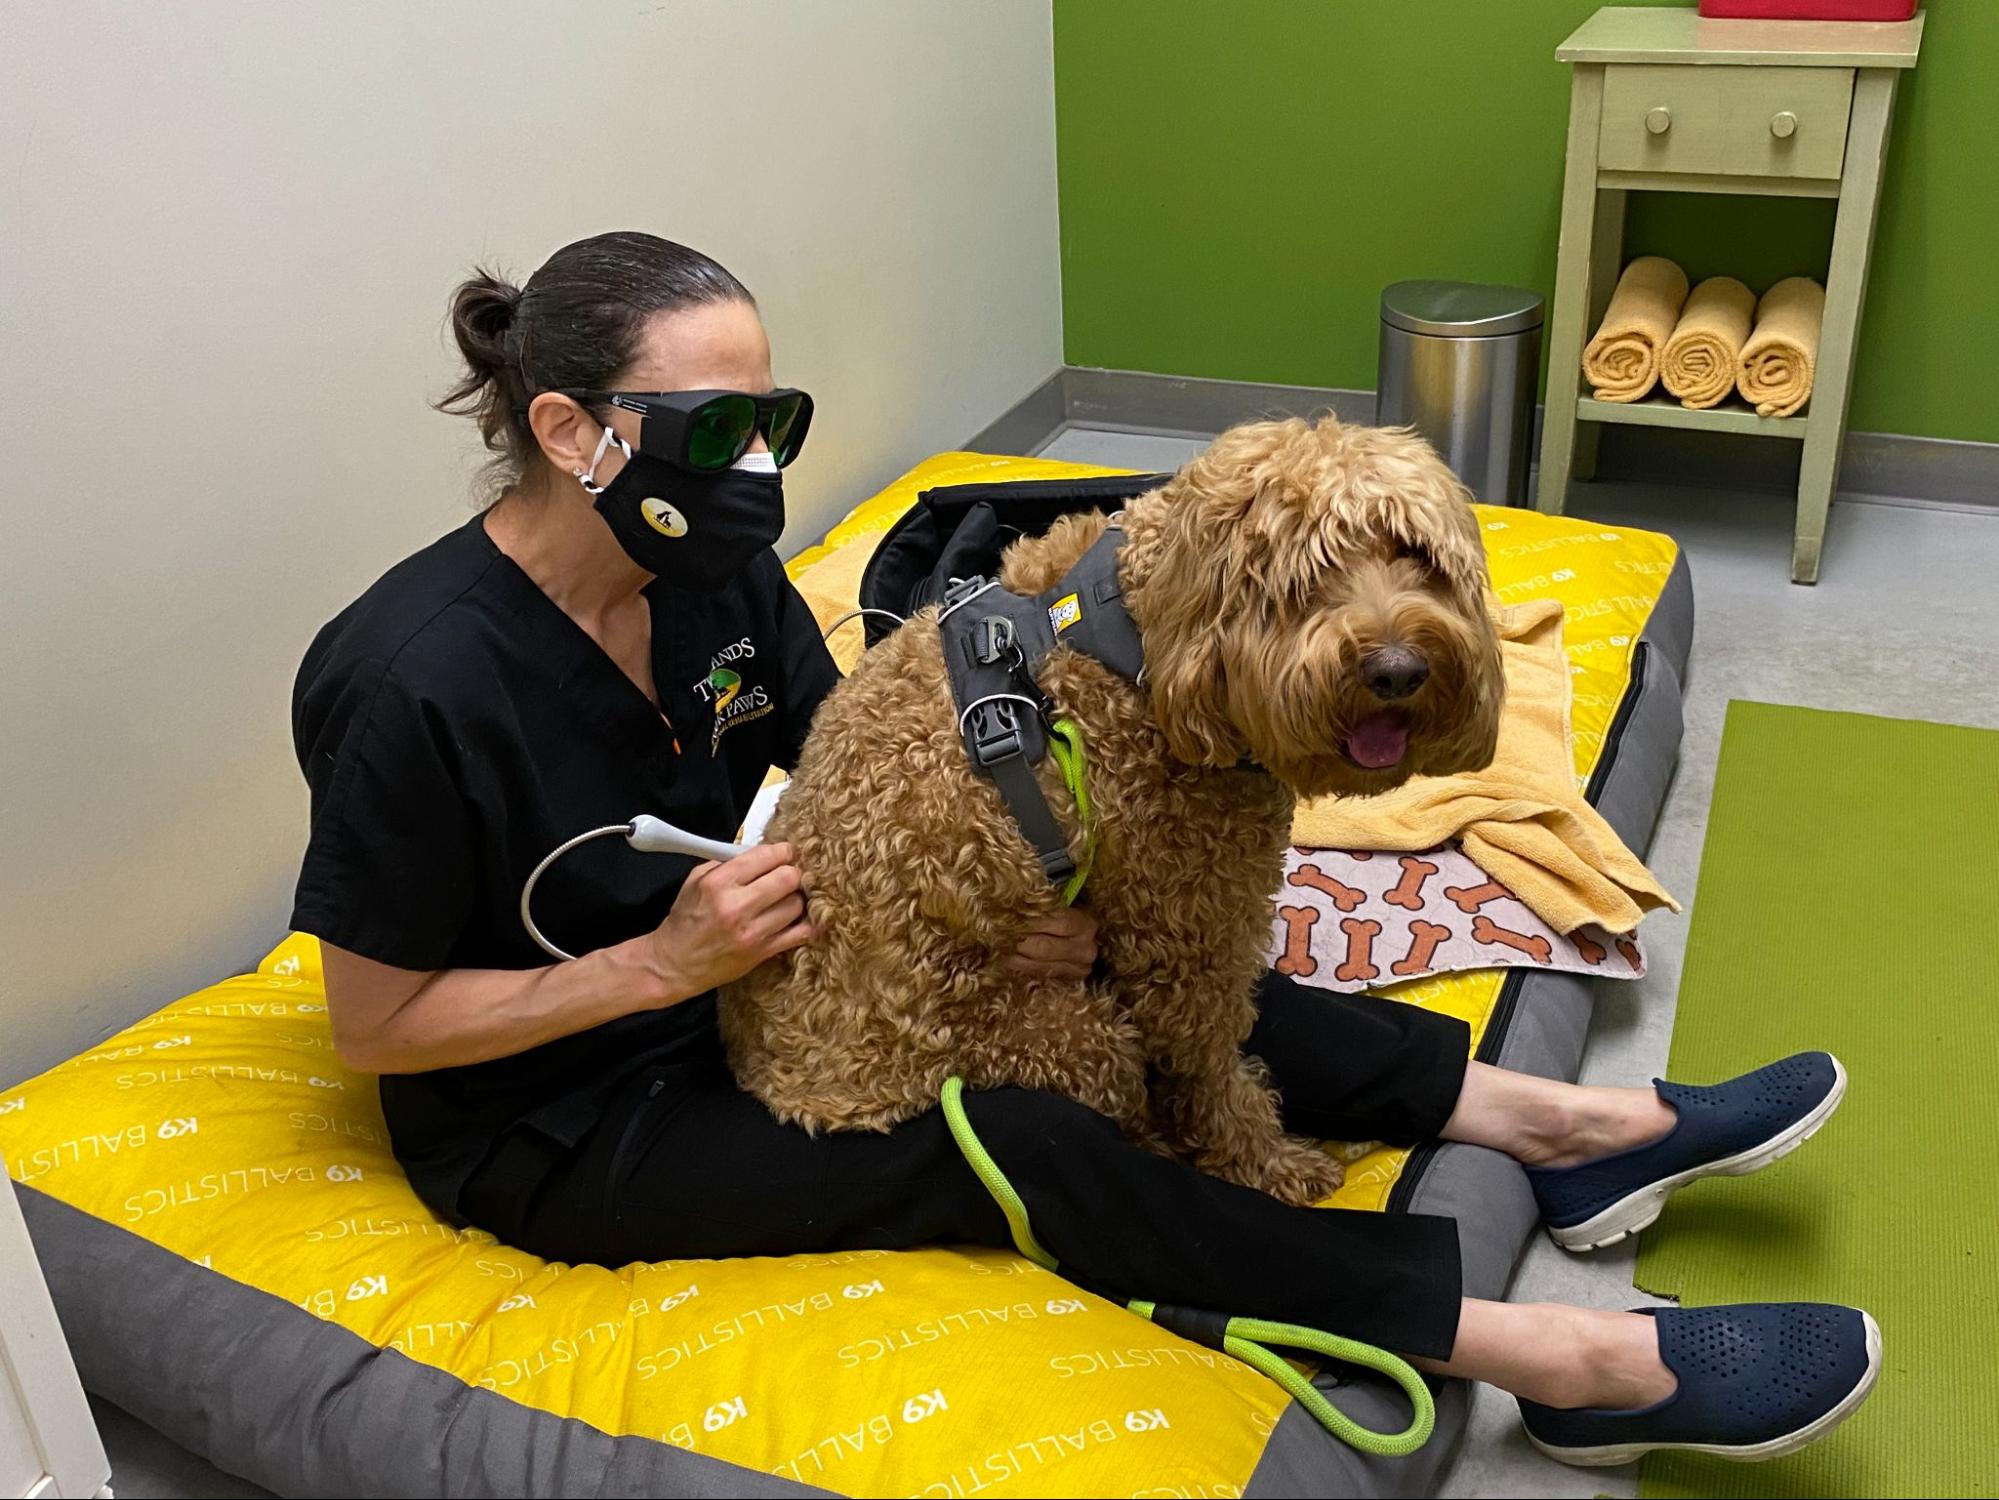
pixel 735 700
pixel 724 684
pixel 662 517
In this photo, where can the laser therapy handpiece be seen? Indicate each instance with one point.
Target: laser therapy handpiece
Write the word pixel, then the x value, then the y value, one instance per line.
pixel 645 833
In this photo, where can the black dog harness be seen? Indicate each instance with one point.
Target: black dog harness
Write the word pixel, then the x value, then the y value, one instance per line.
pixel 994 640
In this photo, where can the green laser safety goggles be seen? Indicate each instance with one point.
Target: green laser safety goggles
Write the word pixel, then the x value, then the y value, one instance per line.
pixel 709 430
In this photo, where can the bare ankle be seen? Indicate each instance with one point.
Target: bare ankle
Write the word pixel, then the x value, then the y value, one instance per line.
pixel 1618 1366
pixel 1582 1124
pixel 1550 1132
pixel 1548 1124
pixel 1559 1355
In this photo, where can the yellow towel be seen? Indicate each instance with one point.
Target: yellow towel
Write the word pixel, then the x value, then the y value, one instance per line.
pixel 1522 819
pixel 1781 358
pixel 1703 355
pixel 1622 361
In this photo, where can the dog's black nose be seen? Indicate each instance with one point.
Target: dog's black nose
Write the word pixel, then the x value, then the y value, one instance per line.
pixel 1393 672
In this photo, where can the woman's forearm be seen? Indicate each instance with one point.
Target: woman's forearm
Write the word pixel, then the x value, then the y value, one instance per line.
pixel 460 1016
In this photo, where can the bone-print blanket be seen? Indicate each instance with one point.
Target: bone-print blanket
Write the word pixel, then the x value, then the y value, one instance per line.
pixel 1351 920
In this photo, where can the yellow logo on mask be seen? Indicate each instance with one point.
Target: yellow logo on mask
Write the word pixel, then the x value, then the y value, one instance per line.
pixel 662 517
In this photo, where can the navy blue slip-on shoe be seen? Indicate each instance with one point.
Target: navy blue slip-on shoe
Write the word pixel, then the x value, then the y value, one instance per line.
pixel 1723 1130
pixel 1756 1381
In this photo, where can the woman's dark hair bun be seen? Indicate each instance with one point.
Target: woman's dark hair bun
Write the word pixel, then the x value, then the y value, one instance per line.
pixel 482 310
pixel 482 316
pixel 577 323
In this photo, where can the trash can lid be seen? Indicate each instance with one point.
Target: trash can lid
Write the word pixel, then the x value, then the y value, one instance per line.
pixel 1460 309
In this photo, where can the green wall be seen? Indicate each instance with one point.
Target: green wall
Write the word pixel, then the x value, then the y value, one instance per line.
pixel 1240 178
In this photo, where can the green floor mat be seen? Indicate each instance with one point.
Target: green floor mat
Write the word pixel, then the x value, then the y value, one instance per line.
pixel 1847 901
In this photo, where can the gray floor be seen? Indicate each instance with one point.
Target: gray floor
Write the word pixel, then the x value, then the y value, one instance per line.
pixel 1905 623
pixel 146 1466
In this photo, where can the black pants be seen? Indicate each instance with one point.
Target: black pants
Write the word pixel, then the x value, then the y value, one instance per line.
pixel 687 1166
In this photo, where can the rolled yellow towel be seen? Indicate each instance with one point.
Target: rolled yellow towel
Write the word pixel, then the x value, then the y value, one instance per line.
pixel 1622 361
pixel 1704 355
pixel 1781 358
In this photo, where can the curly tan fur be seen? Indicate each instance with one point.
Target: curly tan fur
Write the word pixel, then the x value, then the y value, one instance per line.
pixel 1259 576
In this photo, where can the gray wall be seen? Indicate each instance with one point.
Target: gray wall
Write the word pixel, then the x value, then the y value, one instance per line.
pixel 227 230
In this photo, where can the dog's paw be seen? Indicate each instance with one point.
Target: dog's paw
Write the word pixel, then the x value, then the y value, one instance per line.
pixel 1301 1174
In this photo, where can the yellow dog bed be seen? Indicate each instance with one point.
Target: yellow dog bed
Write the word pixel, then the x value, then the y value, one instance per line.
pixel 215 1200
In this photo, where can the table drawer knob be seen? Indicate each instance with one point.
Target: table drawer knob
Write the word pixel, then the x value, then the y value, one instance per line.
pixel 1783 125
pixel 1659 120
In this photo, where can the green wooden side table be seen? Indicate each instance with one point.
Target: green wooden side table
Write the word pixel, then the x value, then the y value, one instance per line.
pixel 1664 100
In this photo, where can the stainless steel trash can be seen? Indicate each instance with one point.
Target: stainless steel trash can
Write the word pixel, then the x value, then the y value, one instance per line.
pixel 1459 363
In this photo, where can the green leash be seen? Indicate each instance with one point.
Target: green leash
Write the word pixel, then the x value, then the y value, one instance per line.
pixel 1243 1338
pixel 1065 743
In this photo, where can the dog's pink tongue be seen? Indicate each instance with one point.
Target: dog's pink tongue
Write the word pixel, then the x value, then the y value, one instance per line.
pixel 1378 741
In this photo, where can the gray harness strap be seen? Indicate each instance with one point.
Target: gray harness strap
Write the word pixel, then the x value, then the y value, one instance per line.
pixel 993 642
pixel 1086 610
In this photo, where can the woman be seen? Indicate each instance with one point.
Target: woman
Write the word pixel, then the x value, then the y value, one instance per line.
pixel 614 636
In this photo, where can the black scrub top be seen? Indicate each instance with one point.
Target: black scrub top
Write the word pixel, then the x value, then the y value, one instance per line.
pixel 454 725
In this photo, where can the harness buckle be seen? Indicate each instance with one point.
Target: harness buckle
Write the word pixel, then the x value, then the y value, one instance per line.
pixel 994 639
pixel 993 730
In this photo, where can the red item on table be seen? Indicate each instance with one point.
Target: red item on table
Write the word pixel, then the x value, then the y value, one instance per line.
pixel 1810 10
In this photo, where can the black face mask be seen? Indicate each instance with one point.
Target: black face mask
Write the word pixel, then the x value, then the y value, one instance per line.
pixel 693 531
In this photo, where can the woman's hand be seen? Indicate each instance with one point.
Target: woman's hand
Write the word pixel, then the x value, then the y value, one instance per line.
pixel 730 917
pixel 1062 945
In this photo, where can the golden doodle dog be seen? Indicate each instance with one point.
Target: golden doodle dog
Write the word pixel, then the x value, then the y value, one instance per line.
pixel 1311 600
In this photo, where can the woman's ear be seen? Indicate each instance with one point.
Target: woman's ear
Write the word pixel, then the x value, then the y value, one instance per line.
pixel 566 433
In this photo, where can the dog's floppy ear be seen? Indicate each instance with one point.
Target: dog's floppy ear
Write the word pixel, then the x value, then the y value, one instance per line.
pixel 1189 700
pixel 1199 561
